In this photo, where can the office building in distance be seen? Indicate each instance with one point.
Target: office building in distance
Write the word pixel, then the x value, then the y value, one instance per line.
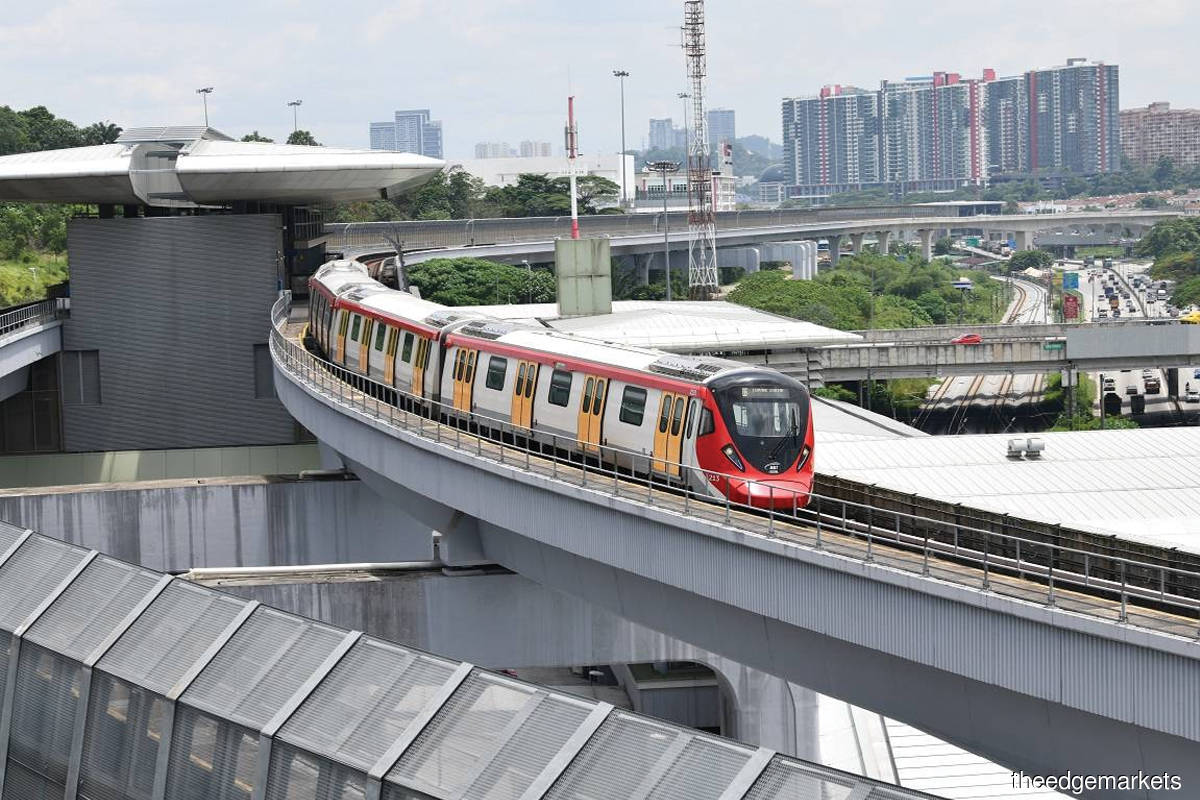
pixel 942 132
pixel 721 127
pixel 1148 134
pixel 409 132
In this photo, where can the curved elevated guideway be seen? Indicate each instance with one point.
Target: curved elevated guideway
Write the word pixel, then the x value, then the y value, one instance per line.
pixel 1038 656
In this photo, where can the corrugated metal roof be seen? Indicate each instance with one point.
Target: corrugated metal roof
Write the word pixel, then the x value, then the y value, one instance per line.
pixel 1114 482
pixel 339 713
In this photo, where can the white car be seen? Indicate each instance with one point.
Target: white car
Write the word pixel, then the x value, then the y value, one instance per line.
pixel 1147 374
pixel 1192 397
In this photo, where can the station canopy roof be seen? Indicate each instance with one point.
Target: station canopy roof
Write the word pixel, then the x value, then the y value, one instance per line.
pixel 682 327
pixel 181 166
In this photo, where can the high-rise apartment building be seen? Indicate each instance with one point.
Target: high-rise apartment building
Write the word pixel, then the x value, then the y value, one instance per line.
pixel 1074 118
pixel 535 149
pixel 721 127
pixel 409 132
pixel 494 150
pixel 942 131
pixel 1148 134
pixel 662 134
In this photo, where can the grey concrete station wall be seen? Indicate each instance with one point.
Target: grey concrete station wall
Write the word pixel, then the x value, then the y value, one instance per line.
pixel 174 525
pixel 175 306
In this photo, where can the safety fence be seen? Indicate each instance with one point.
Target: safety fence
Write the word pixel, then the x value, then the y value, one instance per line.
pixel 32 314
pixel 1105 585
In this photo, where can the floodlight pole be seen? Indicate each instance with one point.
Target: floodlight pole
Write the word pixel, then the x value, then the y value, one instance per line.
pixel 204 93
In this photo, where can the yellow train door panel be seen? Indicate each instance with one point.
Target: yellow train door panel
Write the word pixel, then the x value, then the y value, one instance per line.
pixel 340 354
pixel 389 356
pixel 460 358
pixel 591 412
pixel 364 345
pixel 668 434
pixel 522 402
pixel 418 379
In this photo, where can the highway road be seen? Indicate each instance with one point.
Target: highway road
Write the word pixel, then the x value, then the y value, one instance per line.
pixel 1125 385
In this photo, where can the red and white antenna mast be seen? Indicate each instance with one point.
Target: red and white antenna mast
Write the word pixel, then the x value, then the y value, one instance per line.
pixel 572 152
pixel 702 227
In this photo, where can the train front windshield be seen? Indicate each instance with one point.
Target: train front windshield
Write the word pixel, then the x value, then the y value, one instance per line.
pixel 768 423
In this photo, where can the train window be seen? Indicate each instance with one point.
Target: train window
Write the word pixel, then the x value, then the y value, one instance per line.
pixel 633 405
pixel 497 370
pixel 520 387
pixel 691 417
pixel 598 400
pixel 664 413
pixel 406 351
pixel 460 364
pixel 380 333
pixel 677 416
pixel 706 423
pixel 560 388
pixel 587 395
pixel 354 328
pixel 470 376
pixel 530 380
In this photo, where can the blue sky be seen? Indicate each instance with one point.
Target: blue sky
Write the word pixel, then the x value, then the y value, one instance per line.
pixel 500 70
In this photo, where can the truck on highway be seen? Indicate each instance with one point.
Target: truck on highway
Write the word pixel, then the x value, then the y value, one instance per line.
pixel 1108 263
pixel 1153 386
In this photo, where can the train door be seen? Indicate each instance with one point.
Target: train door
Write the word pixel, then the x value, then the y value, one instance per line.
pixel 591 412
pixel 464 378
pixel 522 402
pixel 418 365
pixel 668 434
pixel 343 325
pixel 389 356
pixel 364 346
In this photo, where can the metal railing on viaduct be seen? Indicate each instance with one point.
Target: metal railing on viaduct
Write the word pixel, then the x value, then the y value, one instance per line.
pixel 938 622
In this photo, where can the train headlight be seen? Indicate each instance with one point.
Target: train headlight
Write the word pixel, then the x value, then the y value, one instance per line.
pixel 733 457
pixel 804 454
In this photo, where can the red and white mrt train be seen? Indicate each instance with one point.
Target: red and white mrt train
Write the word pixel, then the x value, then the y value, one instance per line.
pixel 705 423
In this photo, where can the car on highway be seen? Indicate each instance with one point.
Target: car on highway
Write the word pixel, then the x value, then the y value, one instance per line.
pixel 1192 397
pixel 1102 313
pixel 1196 374
pixel 967 338
pixel 1110 385
pixel 1131 389
pixel 1147 374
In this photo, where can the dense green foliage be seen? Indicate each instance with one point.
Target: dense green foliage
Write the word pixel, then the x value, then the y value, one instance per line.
pixel 37 129
pixel 476 281
pixel 1024 259
pixel 1174 245
pixel 908 293
pixel 255 136
pixel 455 194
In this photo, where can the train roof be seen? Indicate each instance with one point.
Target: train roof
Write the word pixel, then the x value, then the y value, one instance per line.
pixel 696 369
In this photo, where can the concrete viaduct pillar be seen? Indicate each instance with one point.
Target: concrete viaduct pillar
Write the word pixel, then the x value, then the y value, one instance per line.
pixel 835 249
pixel 927 244
pixel 1024 240
pixel 884 239
pixel 856 243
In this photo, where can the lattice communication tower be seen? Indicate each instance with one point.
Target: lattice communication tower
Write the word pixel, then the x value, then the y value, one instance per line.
pixel 702 228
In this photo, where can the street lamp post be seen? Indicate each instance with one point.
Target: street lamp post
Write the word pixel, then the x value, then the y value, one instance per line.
pixel 621 75
pixel 665 168
pixel 528 280
pixel 204 93
pixel 295 104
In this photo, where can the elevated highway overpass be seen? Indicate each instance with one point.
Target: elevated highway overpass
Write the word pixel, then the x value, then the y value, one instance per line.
pixel 532 239
pixel 927 352
pixel 27 334
pixel 1026 652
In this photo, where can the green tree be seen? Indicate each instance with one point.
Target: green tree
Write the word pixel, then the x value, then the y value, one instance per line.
pixel 1025 259
pixel 475 281
pixel 255 136
pixel 943 246
pixel 100 133
pixel 1151 201
pixel 302 137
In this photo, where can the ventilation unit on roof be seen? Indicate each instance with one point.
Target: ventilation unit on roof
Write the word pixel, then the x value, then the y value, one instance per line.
pixel 486 329
pixel 440 319
pixel 1027 448
pixel 687 369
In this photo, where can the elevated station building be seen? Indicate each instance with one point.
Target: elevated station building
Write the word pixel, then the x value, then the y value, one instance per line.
pixel 175 221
